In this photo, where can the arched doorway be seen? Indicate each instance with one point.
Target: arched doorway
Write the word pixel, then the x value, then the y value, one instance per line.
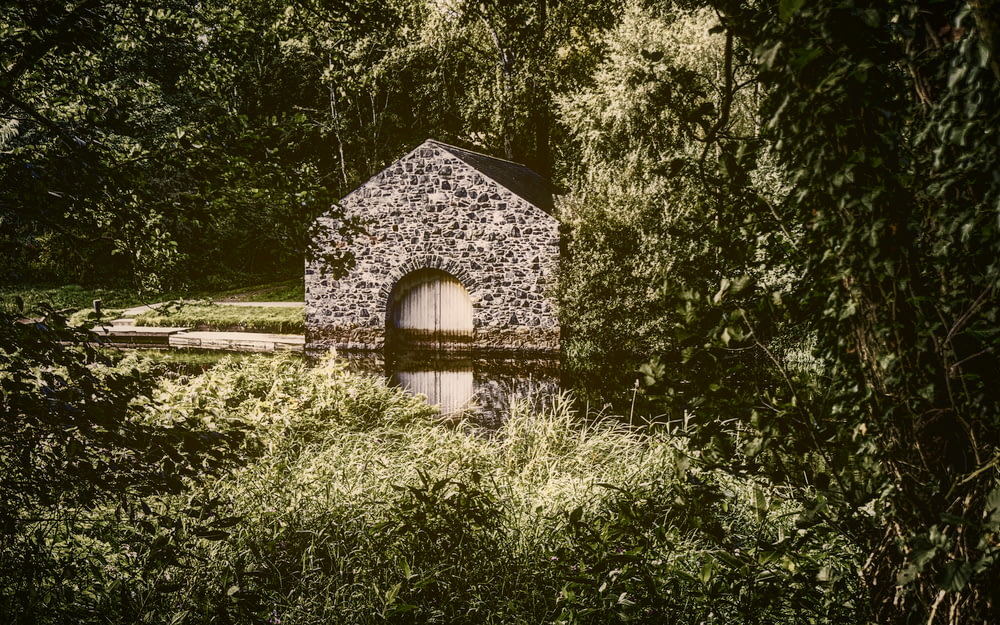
pixel 429 309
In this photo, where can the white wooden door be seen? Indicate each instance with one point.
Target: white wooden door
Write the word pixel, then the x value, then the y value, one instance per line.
pixel 432 306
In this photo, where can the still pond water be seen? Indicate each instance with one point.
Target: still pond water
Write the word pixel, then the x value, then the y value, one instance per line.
pixel 482 389
pixel 478 388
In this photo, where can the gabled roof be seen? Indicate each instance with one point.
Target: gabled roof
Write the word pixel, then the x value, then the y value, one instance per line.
pixel 517 178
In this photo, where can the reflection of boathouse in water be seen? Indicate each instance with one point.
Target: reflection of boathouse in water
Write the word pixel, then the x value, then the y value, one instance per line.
pixel 460 255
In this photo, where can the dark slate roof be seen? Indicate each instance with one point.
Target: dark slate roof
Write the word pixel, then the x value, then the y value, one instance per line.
pixel 517 178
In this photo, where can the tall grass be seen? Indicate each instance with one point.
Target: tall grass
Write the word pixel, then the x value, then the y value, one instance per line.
pixel 357 504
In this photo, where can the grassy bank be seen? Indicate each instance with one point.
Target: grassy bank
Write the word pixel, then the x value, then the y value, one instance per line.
pixel 75 297
pixel 265 490
pixel 220 317
pixel 201 313
pixel 284 291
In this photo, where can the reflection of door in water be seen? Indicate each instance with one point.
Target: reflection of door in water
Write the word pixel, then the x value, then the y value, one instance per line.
pixel 430 308
pixel 451 389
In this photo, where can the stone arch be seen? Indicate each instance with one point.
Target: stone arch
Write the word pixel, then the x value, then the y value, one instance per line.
pixel 429 308
pixel 429 261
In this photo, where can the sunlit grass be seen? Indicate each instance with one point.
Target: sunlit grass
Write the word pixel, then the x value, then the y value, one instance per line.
pixel 74 297
pixel 220 317
pixel 285 291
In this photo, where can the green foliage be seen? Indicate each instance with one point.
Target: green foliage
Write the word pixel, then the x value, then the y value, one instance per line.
pixel 126 161
pixel 360 507
pixel 164 145
pixel 888 149
pixel 172 363
pixel 645 207
pixel 870 172
pixel 497 67
pixel 84 481
pixel 846 200
pixel 70 296
pixel 350 502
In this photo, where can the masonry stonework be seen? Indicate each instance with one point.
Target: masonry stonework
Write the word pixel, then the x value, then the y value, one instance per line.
pixel 481 220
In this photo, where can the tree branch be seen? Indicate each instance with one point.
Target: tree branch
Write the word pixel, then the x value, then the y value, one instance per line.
pixel 32 112
pixel 44 44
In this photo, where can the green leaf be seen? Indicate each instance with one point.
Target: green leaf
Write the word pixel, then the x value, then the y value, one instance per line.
pixel 179 617
pixel 761 504
pixel 956 576
pixel 788 8
pixel 993 505
pixel 706 571
pixel 392 593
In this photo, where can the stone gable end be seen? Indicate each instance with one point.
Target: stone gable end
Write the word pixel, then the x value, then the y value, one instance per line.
pixel 433 210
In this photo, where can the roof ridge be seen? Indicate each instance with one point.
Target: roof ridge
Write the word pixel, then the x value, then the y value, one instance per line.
pixel 449 146
pixel 518 178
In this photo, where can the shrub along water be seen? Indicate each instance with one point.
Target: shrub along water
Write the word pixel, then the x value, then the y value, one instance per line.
pixel 355 503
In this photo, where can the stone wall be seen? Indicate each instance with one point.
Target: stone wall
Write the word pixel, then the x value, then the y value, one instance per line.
pixel 433 210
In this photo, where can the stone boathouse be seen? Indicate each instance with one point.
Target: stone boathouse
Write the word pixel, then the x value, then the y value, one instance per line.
pixel 460 253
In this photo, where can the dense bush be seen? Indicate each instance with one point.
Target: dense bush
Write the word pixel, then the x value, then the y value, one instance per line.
pixel 89 487
pixel 357 505
pixel 821 181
